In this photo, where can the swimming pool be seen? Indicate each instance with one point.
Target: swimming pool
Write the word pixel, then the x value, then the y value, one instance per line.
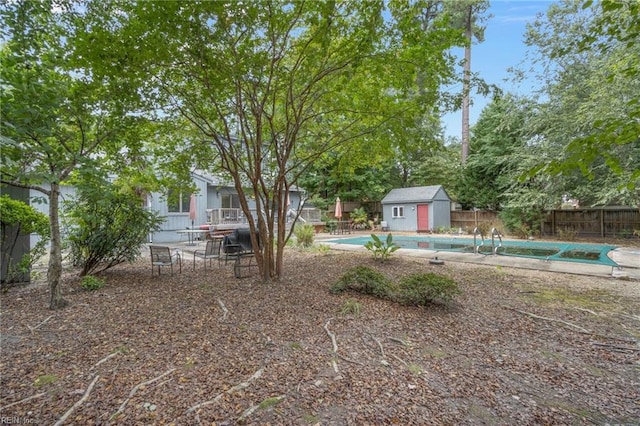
pixel 562 251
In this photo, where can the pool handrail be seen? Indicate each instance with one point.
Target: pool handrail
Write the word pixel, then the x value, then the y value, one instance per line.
pixel 495 233
pixel 476 232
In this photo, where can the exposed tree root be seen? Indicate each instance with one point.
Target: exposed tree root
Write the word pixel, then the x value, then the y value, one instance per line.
pixel 577 327
pixel 334 344
pixel 394 339
pixel 237 387
pixel 224 309
pixel 136 389
pixel 265 404
pixel 400 359
pixel 105 359
pixel 33 329
pixel 379 344
pixel 616 347
pixel 77 404
pixel 29 398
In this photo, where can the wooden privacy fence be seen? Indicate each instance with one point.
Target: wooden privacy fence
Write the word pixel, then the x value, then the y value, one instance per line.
pixel 595 222
pixel 603 222
pixel 469 219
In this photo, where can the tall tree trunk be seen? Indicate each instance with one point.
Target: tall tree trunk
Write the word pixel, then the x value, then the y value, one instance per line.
pixel 55 256
pixel 466 83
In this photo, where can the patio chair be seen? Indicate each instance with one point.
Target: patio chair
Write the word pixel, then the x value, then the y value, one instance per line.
pixel 163 256
pixel 238 244
pixel 212 251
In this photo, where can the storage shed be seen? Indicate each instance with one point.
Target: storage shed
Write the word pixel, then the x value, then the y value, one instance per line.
pixel 420 208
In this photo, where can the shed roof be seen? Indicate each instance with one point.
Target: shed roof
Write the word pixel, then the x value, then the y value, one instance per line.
pixel 416 194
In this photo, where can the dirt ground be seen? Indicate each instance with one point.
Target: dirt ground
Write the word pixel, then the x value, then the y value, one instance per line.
pixel 202 347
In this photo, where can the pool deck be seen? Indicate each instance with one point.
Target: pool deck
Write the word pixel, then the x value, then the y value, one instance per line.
pixel 628 259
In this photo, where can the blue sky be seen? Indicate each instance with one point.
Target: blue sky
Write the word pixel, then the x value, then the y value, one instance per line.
pixel 503 48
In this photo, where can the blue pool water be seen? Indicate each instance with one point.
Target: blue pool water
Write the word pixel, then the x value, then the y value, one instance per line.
pixel 563 251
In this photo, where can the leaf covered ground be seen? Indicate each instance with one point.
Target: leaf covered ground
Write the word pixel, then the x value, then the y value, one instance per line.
pixel 202 347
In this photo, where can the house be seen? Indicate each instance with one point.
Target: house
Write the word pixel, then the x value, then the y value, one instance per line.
pixel 420 208
pixel 217 204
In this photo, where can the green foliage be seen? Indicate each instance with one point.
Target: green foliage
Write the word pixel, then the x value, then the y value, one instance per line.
pixel 24 220
pixel 589 122
pixel 359 217
pixel 567 234
pixel 330 226
pixel 426 288
pixel 363 279
pixel 45 379
pixel 381 249
pixel 323 248
pixel 91 282
pixel 351 307
pixel 107 227
pixel 522 223
pixel 492 167
pixel 304 235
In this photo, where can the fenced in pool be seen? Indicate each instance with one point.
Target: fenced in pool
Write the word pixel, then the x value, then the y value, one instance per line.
pixel 561 251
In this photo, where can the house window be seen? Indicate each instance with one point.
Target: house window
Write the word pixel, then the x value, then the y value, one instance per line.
pixel 397 211
pixel 230 201
pixel 177 202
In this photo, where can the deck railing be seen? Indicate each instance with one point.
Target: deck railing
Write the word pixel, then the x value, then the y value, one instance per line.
pixel 228 216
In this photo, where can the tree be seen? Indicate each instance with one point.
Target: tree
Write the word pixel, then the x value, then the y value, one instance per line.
pixel 55 118
pixel 491 169
pixel 467 15
pixel 590 115
pixel 272 85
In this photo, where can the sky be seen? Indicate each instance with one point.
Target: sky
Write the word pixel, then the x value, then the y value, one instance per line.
pixel 502 48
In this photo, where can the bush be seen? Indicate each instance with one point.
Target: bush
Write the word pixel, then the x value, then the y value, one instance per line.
pixel 89 282
pixel 304 235
pixel 18 218
pixel 423 289
pixel 363 279
pixel 522 222
pixel 567 234
pixel 107 227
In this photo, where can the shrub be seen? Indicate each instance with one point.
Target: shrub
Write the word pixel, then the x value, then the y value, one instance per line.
pixel 89 282
pixel 107 227
pixel 18 218
pixel 304 235
pixel 363 279
pixel 567 234
pixel 381 248
pixel 426 288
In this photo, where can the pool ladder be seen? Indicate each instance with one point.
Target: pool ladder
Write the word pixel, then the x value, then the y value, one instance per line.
pixel 476 232
pixel 495 233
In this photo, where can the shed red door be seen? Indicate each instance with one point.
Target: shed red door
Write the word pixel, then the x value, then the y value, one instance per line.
pixel 423 217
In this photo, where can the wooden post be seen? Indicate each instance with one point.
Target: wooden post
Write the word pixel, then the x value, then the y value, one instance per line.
pixel 602 222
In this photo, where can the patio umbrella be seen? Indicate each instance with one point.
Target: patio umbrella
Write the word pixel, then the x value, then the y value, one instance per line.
pixel 338 212
pixel 192 209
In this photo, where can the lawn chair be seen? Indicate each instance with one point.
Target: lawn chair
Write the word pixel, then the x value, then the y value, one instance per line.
pixel 212 251
pixel 162 256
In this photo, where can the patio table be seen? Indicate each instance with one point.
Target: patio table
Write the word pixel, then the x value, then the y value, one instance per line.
pixel 191 233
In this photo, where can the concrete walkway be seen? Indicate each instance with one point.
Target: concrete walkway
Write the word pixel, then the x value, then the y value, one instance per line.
pixel 628 260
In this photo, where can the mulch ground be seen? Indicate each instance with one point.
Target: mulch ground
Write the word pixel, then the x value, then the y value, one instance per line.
pixel 202 347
